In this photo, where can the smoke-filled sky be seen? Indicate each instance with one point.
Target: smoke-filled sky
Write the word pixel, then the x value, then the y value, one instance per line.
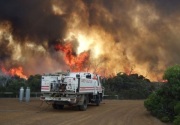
pixel 137 36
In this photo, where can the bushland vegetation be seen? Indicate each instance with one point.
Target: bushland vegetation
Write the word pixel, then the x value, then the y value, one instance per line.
pixel 132 86
pixel 164 103
pixel 13 84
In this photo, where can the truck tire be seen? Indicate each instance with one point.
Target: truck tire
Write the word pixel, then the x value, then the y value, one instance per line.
pixel 84 106
pixel 54 106
pixel 60 106
pixel 101 97
pixel 97 100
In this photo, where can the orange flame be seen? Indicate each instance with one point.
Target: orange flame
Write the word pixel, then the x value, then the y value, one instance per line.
pixel 14 72
pixel 129 70
pixel 75 62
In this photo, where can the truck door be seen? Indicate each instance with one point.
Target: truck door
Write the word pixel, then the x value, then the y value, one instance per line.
pixel 95 87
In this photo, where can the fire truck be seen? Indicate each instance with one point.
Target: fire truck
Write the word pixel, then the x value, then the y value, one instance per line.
pixel 72 88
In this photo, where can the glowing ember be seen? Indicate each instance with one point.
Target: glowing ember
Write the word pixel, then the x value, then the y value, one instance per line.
pixel 164 81
pixel 14 72
pixel 75 62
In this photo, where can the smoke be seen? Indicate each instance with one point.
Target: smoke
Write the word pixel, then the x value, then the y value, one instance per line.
pixel 33 20
pixel 122 36
pixel 144 34
pixel 31 30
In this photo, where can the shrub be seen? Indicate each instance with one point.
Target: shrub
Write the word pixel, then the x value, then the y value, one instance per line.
pixel 177 108
pixel 164 103
pixel 165 119
pixel 177 120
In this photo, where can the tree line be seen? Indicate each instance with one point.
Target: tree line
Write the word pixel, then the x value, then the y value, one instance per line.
pixel 132 86
pixel 13 84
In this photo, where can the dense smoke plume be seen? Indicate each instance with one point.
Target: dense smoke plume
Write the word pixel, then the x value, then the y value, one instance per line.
pixel 133 36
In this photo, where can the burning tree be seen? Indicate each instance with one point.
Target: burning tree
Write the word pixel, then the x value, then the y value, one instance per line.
pixel 14 72
pixel 74 61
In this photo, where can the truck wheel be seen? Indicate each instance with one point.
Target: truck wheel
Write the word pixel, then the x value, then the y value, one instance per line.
pixel 84 106
pixel 60 106
pixel 101 97
pixel 98 100
pixel 54 106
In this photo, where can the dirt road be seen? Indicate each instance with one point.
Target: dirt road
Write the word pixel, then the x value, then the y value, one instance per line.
pixel 110 112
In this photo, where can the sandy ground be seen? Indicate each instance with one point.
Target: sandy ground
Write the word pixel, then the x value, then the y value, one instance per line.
pixel 110 112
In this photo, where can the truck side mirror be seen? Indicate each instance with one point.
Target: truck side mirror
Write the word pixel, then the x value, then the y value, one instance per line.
pixel 77 76
pixel 88 76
